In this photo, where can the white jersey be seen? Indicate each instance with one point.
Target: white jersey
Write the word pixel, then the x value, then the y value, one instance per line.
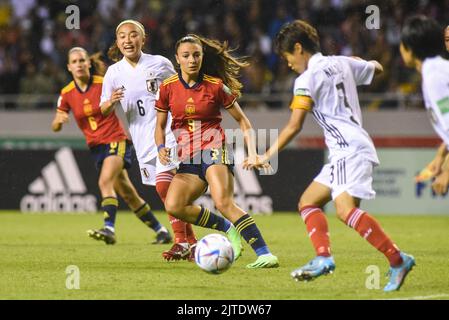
pixel 331 82
pixel 141 84
pixel 435 87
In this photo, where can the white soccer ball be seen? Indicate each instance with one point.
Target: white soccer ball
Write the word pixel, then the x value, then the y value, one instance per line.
pixel 214 253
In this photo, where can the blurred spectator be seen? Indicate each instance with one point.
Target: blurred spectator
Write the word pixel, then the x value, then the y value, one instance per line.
pixel 33 32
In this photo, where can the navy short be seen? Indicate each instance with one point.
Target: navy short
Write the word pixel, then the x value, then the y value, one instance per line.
pixel 122 149
pixel 199 164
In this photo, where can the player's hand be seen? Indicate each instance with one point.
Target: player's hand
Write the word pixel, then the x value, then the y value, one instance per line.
pixel 117 95
pixel 61 117
pixel 441 183
pixel 164 156
pixel 257 162
pixel 433 169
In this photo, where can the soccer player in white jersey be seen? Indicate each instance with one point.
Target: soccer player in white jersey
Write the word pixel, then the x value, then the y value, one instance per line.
pixel 327 87
pixel 422 48
pixel 133 82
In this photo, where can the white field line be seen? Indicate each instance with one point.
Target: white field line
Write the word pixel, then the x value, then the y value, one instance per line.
pixel 441 295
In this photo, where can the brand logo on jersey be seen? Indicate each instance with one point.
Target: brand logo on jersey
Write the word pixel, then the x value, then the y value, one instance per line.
pixel 190 107
pixel 60 188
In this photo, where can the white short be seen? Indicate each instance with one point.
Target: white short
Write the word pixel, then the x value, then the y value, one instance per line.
pixel 149 170
pixel 352 174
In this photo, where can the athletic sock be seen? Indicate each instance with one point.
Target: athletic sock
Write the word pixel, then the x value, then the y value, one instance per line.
pixel 211 220
pixel 317 229
pixel 247 227
pixel 146 216
pixel 179 227
pixel 370 230
pixel 109 206
pixel 190 234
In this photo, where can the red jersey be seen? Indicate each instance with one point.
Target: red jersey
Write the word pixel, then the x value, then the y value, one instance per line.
pixel 85 106
pixel 196 116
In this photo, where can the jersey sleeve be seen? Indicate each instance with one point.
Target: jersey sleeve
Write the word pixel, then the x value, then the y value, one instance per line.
pixel 107 87
pixel 436 88
pixel 162 99
pixel 362 70
pixel 167 68
pixel 225 96
pixel 62 104
pixel 302 98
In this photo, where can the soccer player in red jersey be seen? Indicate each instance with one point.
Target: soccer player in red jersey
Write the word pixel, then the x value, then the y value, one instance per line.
pixel 107 142
pixel 207 81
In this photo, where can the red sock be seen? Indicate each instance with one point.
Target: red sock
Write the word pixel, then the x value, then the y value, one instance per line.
pixel 191 239
pixel 370 230
pixel 179 227
pixel 317 229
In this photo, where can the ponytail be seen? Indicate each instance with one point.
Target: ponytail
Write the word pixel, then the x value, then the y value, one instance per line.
pixel 98 64
pixel 114 53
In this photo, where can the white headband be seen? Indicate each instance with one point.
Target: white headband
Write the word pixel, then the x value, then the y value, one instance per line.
pixel 134 22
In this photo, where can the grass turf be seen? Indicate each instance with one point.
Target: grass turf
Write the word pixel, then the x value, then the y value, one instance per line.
pixel 35 251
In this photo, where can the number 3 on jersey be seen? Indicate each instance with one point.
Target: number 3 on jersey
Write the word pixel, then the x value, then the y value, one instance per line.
pixel 140 107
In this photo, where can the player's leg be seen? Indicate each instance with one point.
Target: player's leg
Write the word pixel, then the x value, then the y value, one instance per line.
pixel 357 185
pixel 221 183
pixel 310 205
pixel 186 188
pixel 142 209
pixel 183 231
pixel 348 211
pixel 111 167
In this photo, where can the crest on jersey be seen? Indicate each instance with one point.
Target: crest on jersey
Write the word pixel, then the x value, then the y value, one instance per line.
pixel 190 107
pixel 152 86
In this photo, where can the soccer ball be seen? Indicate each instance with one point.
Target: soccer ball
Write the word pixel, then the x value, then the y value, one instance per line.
pixel 214 253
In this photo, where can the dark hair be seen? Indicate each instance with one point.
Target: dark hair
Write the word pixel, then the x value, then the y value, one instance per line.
pixel 423 36
pixel 297 31
pixel 218 61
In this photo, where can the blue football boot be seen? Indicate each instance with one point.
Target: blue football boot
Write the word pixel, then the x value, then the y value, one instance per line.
pixel 315 268
pixel 398 274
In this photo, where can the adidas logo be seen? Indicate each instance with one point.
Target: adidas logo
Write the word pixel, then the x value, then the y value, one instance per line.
pixel 247 190
pixel 60 188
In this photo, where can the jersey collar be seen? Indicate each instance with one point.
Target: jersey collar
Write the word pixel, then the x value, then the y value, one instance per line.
pixel 314 59
pixel 91 79
pixel 196 85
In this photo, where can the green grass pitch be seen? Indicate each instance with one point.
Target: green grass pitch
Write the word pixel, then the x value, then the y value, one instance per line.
pixel 36 249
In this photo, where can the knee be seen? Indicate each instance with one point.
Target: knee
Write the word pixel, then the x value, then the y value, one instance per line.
pixel 174 207
pixel 304 202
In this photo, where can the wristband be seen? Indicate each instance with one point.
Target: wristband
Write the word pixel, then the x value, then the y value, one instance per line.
pixel 159 147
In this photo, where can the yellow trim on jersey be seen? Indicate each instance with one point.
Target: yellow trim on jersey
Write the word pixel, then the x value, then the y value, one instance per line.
pixel 121 149
pixel 301 102
pixel 97 79
pixel 161 110
pixel 231 104
pixel 68 87
pixel 211 79
pixel 171 79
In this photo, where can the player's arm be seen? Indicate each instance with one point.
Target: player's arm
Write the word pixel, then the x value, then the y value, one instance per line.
pixel 109 105
pixel 245 125
pixel 441 183
pixel 293 127
pixel 60 118
pixel 378 68
pixel 159 137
